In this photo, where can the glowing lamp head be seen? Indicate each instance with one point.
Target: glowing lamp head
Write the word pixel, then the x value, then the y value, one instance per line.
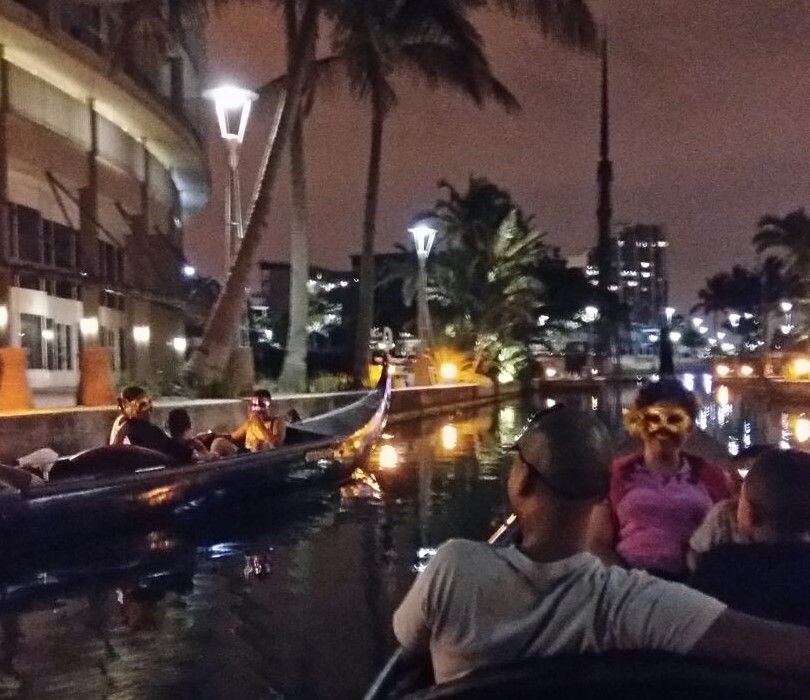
pixel 424 236
pixel 189 271
pixel 669 313
pixel 448 371
pixel 722 370
pixel 801 366
pixel 785 306
pixel 89 326
pixel 675 336
pixel 551 372
pixel 801 429
pixel 233 106
pixel 746 371
pixel 141 334
pixel 590 314
pixel 734 319
pixel 180 345
pixel 449 435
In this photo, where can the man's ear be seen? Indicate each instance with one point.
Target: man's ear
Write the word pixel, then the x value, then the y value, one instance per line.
pixel 524 478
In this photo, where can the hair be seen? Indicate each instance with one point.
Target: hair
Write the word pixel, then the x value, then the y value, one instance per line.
pixel 749 455
pixel 262 394
pixel 223 447
pixel 778 488
pixel 178 422
pixel 667 390
pixel 131 393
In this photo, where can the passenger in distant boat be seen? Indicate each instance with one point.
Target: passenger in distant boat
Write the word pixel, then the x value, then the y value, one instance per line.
pixel 768 574
pixel 137 429
pixel 265 428
pixel 659 496
pixel 178 425
pixel 478 605
pixel 128 406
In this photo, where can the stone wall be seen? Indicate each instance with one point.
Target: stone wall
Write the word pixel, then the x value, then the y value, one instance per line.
pixel 71 430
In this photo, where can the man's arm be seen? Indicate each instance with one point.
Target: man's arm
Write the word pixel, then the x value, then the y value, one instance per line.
pixel 602 535
pixel 771 646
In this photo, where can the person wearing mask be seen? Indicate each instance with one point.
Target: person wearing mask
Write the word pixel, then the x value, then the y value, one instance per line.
pixel 264 428
pixel 658 497
pixel 137 428
pixel 477 605
pixel 767 572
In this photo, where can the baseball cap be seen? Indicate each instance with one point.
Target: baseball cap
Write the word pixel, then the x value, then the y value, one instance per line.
pixel 571 451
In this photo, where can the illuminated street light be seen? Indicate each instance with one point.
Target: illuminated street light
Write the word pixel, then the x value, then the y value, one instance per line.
pixel 424 235
pixel 141 334
pixel 232 105
pixel 669 312
pixel 189 271
pixel 675 336
pixel 697 322
pixel 734 319
pixel 786 306
pixel 590 314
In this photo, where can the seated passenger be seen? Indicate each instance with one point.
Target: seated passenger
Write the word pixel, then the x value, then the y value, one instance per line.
pixel 477 605
pixel 769 575
pixel 265 428
pixel 178 425
pixel 127 406
pixel 136 429
pixel 720 524
pixel 659 496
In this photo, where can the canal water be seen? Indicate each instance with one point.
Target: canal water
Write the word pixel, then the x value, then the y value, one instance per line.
pixel 291 598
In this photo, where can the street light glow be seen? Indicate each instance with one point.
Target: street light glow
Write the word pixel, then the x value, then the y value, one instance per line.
pixel 734 319
pixel 675 336
pixel 233 106
pixel 189 270
pixel 697 322
pixel 590 314
pixel 423 237
pixel 786 306
pixel 669 312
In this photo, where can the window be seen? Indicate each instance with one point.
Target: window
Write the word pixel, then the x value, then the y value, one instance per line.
pixel 64 346
pixel 110 262
pixel 64 246
pixel 29 280
pixel 49 341
pixel 64 289
pixel 31 339
pixel 112 299
pixel 29 224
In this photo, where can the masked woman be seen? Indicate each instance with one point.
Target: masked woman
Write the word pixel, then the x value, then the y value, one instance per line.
pixel 659 496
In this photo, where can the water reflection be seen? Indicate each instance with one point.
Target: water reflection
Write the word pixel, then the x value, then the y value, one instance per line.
pixel 293 597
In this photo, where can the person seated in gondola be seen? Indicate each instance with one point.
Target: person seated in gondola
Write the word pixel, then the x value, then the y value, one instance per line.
pixel 137 429
pixel 178 425
pixel 766 573
pixel 128 405
pixel 264 428
pixel 477 605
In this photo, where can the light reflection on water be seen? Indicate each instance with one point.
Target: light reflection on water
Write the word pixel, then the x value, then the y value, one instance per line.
pixel 293 597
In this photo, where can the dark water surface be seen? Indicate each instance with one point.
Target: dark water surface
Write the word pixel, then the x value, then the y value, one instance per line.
pixel 292 598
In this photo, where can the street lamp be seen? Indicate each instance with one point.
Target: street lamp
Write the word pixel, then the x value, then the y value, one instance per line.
pixel 675 336
pixel 786 306
pixel 232 105
pixel 669 312
pixel 424 236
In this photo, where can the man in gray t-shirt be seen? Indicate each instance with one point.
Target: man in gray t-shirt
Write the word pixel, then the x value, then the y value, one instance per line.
pixel 477 605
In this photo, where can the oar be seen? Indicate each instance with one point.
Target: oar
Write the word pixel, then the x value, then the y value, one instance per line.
pixel 400 663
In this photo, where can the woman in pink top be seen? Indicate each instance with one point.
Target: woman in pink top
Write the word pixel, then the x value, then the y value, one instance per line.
pixel 659 496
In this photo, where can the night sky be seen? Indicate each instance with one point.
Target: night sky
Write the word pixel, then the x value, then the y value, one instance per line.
pixel 710 104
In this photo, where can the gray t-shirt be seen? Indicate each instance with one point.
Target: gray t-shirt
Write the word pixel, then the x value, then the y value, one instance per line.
pixel 476 605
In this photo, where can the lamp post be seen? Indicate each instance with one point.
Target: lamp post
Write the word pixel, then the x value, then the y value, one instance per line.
pixel 424 236
pixel 232 105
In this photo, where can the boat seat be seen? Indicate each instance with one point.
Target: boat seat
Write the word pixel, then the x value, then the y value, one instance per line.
pixel 18 479
pixel 626 675
pixel 109 460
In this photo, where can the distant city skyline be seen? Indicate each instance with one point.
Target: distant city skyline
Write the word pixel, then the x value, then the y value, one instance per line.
pixel 708 107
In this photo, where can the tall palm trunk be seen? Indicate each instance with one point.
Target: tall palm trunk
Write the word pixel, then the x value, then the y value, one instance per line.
pixel 209 361
pixel 365 313
pixel 294 371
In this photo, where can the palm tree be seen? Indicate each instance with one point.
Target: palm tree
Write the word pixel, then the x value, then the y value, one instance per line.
pixel 211 358
pixel 790 236
pixel 434 41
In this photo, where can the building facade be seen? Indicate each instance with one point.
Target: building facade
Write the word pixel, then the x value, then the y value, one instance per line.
pixel 99 168
pixel 639 271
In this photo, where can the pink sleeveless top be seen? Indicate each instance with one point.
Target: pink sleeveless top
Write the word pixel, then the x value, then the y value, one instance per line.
pixel 656 515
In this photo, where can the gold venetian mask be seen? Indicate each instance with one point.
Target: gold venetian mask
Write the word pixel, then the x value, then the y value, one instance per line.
pixel 643 422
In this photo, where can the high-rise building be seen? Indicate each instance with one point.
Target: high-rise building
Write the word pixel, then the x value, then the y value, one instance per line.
pixel 100 165
pixel 639 271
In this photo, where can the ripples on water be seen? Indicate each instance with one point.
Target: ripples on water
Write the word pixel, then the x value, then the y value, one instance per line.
pixel 292 598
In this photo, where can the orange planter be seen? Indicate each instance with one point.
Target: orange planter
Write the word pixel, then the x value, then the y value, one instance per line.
pixel 96 386
pixel 15 395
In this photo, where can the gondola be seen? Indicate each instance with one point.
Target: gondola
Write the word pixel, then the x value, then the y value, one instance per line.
pixel 115 488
